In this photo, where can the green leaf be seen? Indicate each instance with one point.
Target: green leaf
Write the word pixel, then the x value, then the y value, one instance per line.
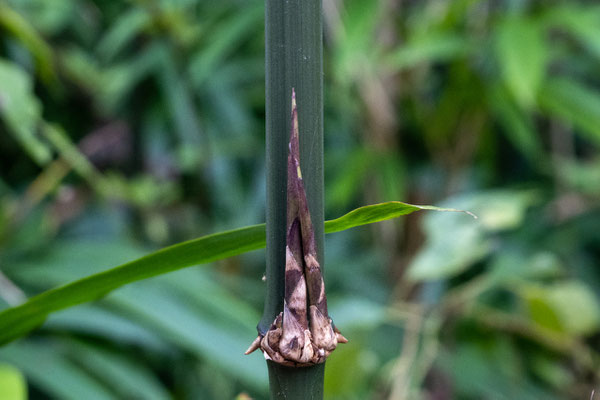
pixel 584 176
pixel 490 369
pixel 12 383
pixel 47 369
pixel 208 337
pixel 435 47
pixel 122 33
pixel 356 52
pixel 21 111
pixel 93 320
pixel 223 41
pixel 129 379
pixel 574 103
pixel 48 18
pixel 26 33
pixel 551 370
pixel 185 308
pixel 522 54
pixel 18 321
pixel 569 307
pixel 110 87
pixel 448 254
pixel 453 244
pixel 583 22
pixel 375 213
pixel 517 124
pixel 514 265
pixel 181 104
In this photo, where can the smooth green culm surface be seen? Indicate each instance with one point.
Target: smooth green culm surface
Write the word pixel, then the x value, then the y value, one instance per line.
pixel 294 59
pixel 296 383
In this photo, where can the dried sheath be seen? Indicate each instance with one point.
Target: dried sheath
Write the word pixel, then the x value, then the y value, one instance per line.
pixel 303 333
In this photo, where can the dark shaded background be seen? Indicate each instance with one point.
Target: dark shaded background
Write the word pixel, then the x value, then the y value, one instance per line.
pixel 126 126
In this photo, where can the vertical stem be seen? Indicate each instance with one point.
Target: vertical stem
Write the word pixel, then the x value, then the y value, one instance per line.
pixel 303 383
pixel 294 58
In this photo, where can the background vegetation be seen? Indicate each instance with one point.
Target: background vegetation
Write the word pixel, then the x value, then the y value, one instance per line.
pixel 130 125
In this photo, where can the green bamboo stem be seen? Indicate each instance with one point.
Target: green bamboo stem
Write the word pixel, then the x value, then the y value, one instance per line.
pixel 294 47
pixel 304 383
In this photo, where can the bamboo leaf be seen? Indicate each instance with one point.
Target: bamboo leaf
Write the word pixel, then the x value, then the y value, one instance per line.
pixel 12 383
pixel 378 212
pixel 18 321
pixel 552 307
pixel 119 372
pixel 522 54
pixel 47 369
pixel 575 103
pixel 435 47
pixel 21 111
pixel 21 29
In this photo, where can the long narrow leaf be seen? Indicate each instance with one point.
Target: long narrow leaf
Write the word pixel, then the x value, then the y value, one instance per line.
pixel 376 213
pixel 18 321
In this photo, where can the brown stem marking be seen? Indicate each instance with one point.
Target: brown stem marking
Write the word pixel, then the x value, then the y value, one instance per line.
pixel 303 334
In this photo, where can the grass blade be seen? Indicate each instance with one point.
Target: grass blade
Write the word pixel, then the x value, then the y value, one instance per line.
pixel 18 321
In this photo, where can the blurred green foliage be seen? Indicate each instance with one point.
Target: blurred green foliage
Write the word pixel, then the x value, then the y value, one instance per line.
pixel 130 125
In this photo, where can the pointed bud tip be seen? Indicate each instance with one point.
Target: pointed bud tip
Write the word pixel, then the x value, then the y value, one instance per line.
pixel 340 338
pixel 255 345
